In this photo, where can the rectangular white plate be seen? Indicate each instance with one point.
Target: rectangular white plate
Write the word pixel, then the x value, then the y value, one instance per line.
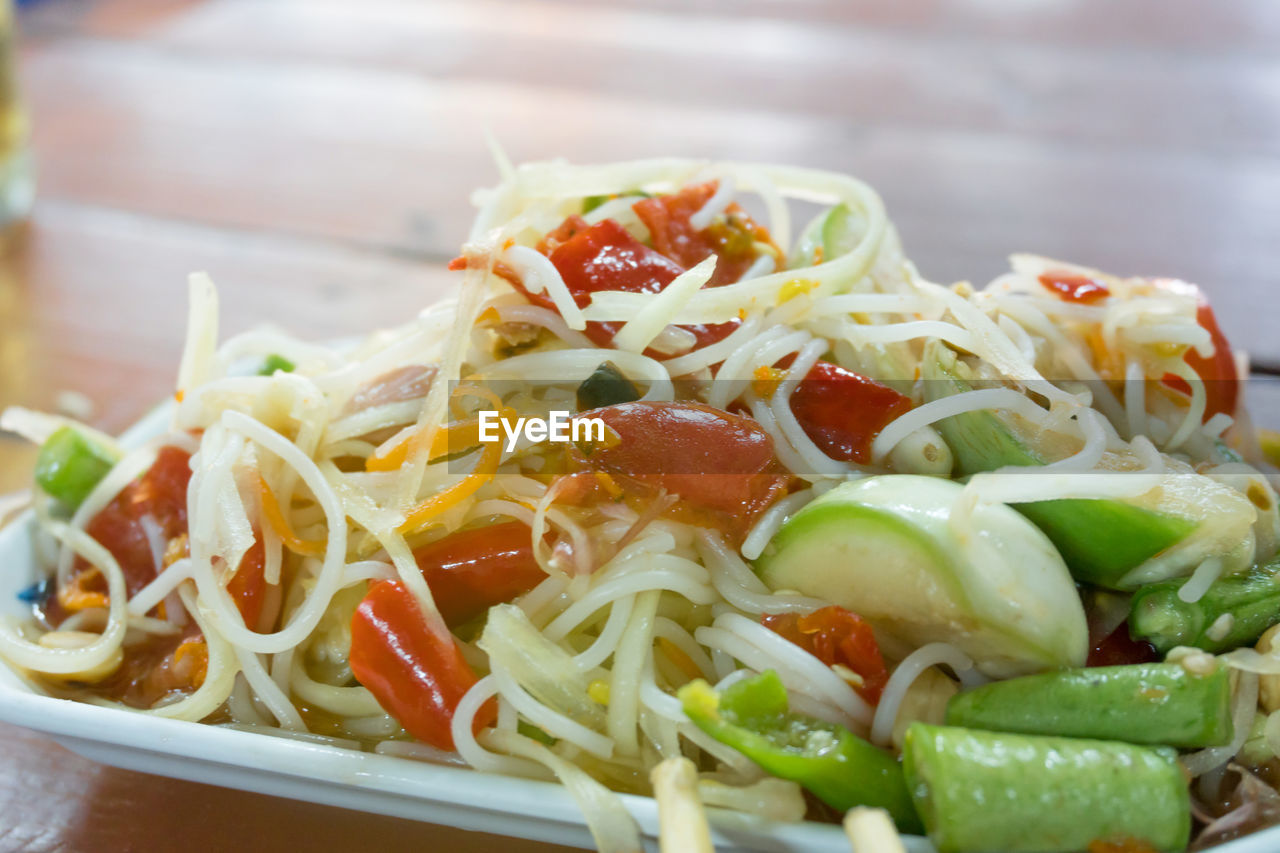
pixel 520 808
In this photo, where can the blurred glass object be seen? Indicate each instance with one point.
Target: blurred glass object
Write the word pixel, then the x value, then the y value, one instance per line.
pixel 17 178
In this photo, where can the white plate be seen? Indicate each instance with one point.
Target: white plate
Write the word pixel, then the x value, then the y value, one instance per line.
pixel 467 799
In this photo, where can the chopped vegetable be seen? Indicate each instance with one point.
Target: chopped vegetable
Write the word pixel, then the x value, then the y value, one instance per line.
pixel 721 465
pixel 884 548
pixel 591 202
pixel 981 791
pixel 1233 612
pixel 1104 542
pixel 605 256
pixel 1217 371
pixel 731 237
pixel 872 831
pixel 276 362
pixel 1074 286
pixel 828 235
pixel 416 673
pixel 160 494
pixel 842 412
pixel 607 386
pixel 682 822
pixel 840 768
pixel 70 464
pixel 1157 703
pixel 836 637
pixel 471 570
pixel 548 672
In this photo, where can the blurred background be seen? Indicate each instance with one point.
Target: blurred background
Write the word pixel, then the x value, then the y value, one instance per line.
pixel 316 157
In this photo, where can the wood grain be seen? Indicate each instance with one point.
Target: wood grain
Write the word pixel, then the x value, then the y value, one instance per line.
pixel 317 158
pixel 364 123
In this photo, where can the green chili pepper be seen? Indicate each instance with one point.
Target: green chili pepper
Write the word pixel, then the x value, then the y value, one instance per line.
pixel 70 464
pixel 607 386
pixel 980 791
pixel 840 768
pixel 1151 703
pixel 276 362
pixel 1233 612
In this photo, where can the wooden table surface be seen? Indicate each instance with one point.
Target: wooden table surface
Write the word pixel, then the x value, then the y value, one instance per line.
pixel 316 157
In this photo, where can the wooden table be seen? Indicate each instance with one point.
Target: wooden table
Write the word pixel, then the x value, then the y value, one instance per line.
pixel 316 158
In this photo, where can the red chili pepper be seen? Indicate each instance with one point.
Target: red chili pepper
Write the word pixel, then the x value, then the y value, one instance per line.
pixel 472 570
pixel 416 673
pixel 836 636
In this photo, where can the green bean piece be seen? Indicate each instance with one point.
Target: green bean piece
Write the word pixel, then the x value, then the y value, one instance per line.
pixel 1150 703
pixel 1233 612
pixel 70 464
pixel 606 386
pixel 983 791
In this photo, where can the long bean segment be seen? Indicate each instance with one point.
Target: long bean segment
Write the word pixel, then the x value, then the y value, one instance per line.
pixel 979 791
pixel 1232 613
pixel 1158 703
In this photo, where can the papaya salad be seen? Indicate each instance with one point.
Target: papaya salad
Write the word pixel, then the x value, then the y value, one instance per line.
pixel 995 565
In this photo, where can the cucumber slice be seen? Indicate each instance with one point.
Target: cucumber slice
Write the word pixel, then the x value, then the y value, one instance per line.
pixel 1117 544
pixel 884 548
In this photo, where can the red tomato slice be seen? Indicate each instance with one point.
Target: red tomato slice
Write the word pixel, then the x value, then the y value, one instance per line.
pixel 472 570
pixel 721 465
pixel 732 238
pixel 248 586
pixel 836 636
pixel 842 412
pixel 1218 371
pixel 417 675
pixel 161 493
pixel 1075 286
pixel 605 256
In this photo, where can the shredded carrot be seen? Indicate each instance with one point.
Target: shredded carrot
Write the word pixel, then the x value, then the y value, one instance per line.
pixel 178 396
pixel 199 653
pixel 451 438
pixel 291 540
pixel 766 380
pixel 677 656
pixel 485 468
pixel 75 597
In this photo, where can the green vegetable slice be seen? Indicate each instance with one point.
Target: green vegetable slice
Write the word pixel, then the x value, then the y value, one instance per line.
pixel 70 464
pixel 840 768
